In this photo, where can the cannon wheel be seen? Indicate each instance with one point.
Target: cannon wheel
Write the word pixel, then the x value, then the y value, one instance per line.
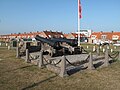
pixel 51 53
pixel 71 52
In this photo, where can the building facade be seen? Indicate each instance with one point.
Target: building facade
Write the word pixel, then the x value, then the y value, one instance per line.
pixel 86 32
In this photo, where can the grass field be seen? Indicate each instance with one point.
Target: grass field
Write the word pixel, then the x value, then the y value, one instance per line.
pixel 15 74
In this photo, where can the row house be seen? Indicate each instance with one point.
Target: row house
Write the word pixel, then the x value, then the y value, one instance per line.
pixel 4 38
pixel 45 34
pixel 109 37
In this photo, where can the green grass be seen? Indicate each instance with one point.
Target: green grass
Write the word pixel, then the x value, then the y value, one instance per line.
pixel 15 74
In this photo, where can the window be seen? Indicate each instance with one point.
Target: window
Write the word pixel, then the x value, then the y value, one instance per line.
pixel 103 36
pixel 93 37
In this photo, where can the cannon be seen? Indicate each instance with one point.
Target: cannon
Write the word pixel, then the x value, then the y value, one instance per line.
pixel 53 47
pixel 23 45
pixel 71 44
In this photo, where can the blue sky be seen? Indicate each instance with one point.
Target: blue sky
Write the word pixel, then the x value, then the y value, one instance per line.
pixel 58 15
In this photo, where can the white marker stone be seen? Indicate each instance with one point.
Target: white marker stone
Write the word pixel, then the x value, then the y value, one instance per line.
pixel 103 50
pixel 87 47
pixel 111 50
pixel 6 44
pixel 93 48
pixel 108 47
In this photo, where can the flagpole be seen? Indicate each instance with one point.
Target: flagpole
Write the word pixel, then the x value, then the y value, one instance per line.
pixel 78 23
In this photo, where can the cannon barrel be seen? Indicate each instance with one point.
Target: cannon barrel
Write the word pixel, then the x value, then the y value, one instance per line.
pixel 54 44
pixel 71 42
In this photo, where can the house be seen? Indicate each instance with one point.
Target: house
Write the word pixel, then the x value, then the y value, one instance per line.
pixel 109 37
pixel 86 32
pixel 116 37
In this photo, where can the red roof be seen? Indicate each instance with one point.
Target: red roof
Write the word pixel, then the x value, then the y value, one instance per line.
pixel 65 35
pixel 109 35
pixel 50 34
pixel 76 35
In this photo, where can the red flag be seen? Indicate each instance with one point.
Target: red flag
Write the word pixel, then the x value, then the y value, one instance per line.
pixel 80 9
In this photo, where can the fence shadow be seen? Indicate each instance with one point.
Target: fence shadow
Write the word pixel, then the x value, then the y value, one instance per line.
pixel 98 64
pixel 38 83
pixel 112 61
pixel 75 70
pixel 19 68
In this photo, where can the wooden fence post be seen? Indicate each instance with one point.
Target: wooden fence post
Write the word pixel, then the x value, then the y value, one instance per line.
pixel 27 56
pixel 98 51
pixel 63 71
pixel 17 52
pixel 119 55
pixel 106 60
pixel 40 61
pixel 90 63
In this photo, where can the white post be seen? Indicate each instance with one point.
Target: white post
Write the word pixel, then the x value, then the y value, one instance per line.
pixel 9 47
pixel 103 50
pixel 6 44
pixel 78 25
pixel 0 44
pixel 108 47
pixel 87 47
pixel 111 50
pixel 94 48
